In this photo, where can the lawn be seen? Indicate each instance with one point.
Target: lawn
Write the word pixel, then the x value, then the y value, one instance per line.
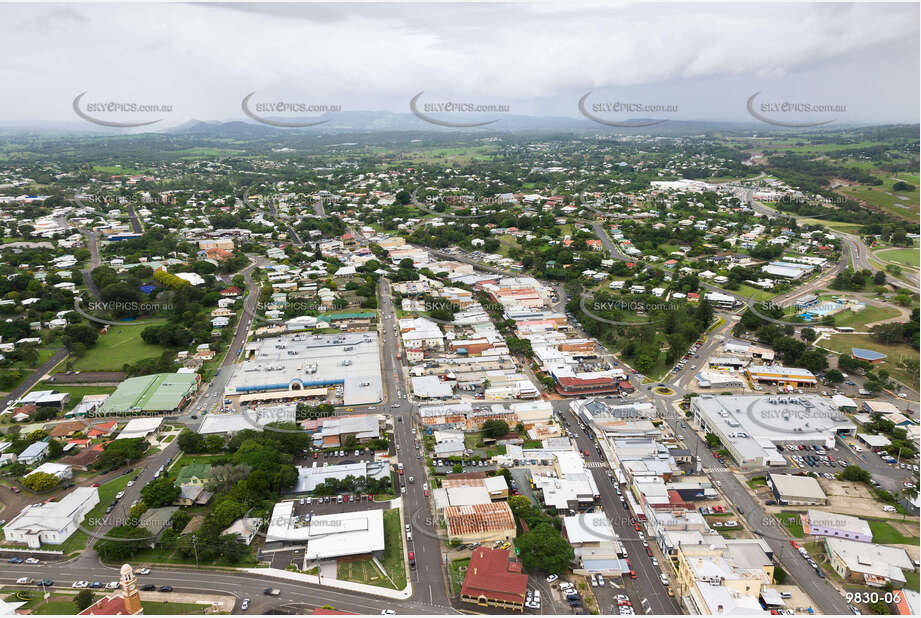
pixel 843 343
pixel 164 608
pixel 906 257
pixel 362 572
pixel 458 570
pixel 749 292
pixel 860 319
pixel 120 346
pixel 59 607
pixel 76 392
pixel 885 199
pixel 885 534
pixel 795 526
pixel 118 170
pixel 912 580
pixel 44 353
pixel 393 548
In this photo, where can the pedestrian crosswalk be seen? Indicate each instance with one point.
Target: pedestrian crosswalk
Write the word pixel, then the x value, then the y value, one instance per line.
pixel 594 464
pixel 716 469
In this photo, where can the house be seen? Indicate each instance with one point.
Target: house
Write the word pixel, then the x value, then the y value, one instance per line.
pixel 102 430
pixel 61 471
pixel 34 453
pixel 51 523
pixel 244 529
pixel 67 429
pixel 494 580
pixel 193 474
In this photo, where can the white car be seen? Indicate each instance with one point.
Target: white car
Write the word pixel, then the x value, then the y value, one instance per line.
pixel 144 571
pixel 552 578
pixel 24 580
pixel 388 612
pixel 111 585
pixel 80 584
pixel 32 561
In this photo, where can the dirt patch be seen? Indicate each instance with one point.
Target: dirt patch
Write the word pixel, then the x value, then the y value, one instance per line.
pixel 847 489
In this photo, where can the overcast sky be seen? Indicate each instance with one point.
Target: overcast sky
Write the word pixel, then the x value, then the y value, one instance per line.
pixel 539 59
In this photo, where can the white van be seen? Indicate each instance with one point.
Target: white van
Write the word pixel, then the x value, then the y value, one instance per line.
pixel 889 508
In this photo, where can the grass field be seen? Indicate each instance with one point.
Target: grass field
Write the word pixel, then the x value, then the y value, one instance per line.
pixel 885 534
pixel 860 319
pixel 841 226
pixel 121 345
pixel 901 204
pixel 791 522
pixel 905 257
pixel 76 392
pixel 895 353
pixel 118 169
pixel 759 295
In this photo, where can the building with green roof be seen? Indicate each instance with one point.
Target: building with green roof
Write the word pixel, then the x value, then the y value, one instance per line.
pixel 159 392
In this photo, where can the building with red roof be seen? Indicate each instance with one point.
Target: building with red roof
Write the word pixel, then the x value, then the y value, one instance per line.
pixel 572 386
pixel 493 580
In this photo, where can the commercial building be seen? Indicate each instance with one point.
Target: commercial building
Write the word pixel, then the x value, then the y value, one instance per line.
pixel 752 426
pixel 356 534
pixel 871 356
pixel 724 577
pixel 256 419
pixel 165 393
pixel 494 580
pixel 570 486
pixel 309 478
pixel 796 490
pixel 338 431
pixel 781 376
pixel 821 523
pixel 868 564
pixel 596 545
pixel 294 363
pixel 51 523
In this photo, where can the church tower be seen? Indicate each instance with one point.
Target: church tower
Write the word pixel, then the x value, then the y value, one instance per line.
pixel 130 590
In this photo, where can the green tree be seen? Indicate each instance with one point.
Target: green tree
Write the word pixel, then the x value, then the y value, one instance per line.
pixel 83 599
pixel 543 549
pixel 191 442
pixel 855 473
pixel 494 428
pixel 160 492
pixel 40 481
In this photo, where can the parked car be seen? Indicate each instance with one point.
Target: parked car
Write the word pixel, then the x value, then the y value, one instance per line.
pixel 166 588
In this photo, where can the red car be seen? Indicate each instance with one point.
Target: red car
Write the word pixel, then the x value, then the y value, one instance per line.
pixel 794 544
pixel 636 527
pixel 649 552
pixel 426 493
pixel 585 452
pixel 632 574
pixel 316 455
